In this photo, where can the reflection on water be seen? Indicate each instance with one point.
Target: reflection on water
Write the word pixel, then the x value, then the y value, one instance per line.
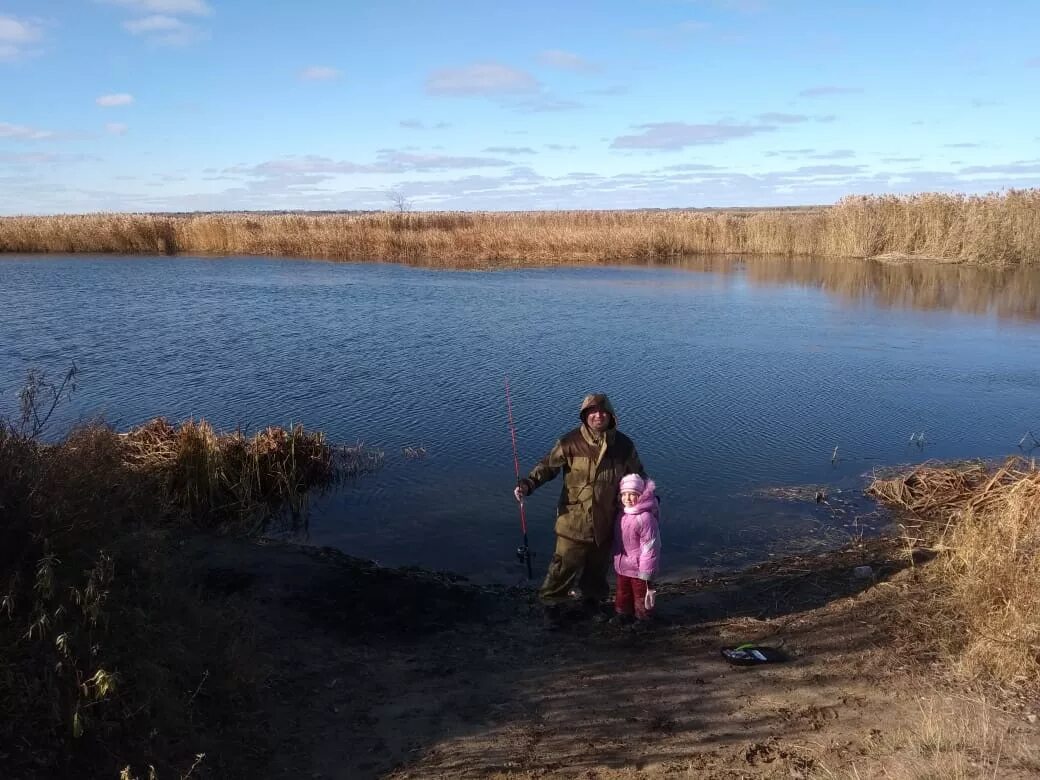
pixel 1006 292
pixel 730 374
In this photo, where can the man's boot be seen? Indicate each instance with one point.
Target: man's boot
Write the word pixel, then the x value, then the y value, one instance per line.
pixel 552 617
pixel 598 611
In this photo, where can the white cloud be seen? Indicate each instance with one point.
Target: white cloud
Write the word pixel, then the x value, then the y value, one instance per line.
pixel 510 150
pixel 835 154
pixel 675 34
pixel 24 133
pixel 784 119
pixel 565 60
pixel 826 170
pixel 692 26
pixel 43 158
pixel 116 128
pixel 740 6
pixel 312 168
pixel 155 24
pixel 418 124
pixel 309 183
pixel 320 73
pixel 435 162
pixel 545 102
pixel 481 79
pixel 829 90
pixel 678 135
pixel 188 7
pixel 15 36
pixel 16 31
pixel 1018 168
pixel 161 22
pixel 117 99
pixel 611 91
pixel 692 168
pixel 164 30
pixel 512 88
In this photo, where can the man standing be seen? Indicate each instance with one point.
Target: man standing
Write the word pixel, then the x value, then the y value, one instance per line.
pixel 593 457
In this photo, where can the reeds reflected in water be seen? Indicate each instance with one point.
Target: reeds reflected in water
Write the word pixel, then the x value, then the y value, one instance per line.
pixel 1012 293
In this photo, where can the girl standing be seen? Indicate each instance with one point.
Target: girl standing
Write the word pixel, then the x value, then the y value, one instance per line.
pixel 637 547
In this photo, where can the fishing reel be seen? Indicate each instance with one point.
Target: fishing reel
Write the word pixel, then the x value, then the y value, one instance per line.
pixel 523 553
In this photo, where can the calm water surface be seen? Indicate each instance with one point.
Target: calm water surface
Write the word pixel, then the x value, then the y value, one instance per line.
pixel 732 375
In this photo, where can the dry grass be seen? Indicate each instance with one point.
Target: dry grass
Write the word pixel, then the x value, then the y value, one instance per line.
pixel 108 658
pixel 982 602
pixel 995 229
pixel 954 737
pixel 966 737
pixel 215 477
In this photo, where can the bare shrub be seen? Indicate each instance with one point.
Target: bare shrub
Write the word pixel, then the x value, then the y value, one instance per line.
pixel 103 644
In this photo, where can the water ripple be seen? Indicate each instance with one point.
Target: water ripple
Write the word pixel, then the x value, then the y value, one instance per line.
pixel 744 375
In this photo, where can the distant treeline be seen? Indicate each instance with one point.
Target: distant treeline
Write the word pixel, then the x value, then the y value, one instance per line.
pixel 997 229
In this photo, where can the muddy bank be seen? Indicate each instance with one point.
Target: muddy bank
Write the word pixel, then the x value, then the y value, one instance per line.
pixel 371 672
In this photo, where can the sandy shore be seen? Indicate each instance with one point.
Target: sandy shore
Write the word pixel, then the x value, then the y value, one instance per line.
pixel 372 672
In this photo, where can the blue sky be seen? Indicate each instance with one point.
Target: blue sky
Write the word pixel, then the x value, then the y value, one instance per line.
pixel 182 105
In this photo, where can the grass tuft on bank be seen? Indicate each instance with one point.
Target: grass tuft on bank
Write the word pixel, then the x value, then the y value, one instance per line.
pixel 215 479
pixel 996 229
pixel 981 607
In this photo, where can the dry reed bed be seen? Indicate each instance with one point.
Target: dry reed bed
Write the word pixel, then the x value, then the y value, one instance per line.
pixel 983 589
pixel 995 229
pixel 209 475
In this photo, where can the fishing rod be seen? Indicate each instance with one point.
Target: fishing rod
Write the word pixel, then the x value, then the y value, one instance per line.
pixel 523 552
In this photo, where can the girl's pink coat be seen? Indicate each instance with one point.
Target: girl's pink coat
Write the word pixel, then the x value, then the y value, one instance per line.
pixel 637 537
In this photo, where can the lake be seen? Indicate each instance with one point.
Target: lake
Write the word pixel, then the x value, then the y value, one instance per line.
pixel 736 377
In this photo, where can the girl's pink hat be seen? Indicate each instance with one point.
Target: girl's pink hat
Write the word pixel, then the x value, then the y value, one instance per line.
pixel 632 483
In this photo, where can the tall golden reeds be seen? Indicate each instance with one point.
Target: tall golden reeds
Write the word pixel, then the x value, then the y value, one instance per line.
pixel 214 478
pixel 983 525
pixel 994 229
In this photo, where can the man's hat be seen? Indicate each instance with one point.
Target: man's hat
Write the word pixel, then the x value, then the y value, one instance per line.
pixel 597 401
